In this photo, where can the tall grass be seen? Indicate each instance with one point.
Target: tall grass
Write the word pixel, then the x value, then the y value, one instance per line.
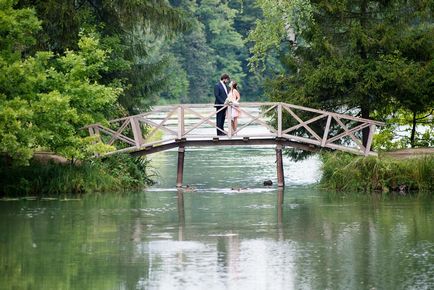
pixel 117 173
pixel 345 172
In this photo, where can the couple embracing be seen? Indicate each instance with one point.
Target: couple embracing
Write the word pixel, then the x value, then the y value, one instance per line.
pixel 226 96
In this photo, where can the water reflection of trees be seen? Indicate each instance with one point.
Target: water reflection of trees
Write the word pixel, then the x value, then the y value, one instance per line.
pixel 105 242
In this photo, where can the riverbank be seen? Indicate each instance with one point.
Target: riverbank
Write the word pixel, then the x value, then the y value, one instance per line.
pixel 51 178
pixel 383 174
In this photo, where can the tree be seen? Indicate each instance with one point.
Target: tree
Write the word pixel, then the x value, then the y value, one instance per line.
pixel 226 42
pixel 45 99
pixel 336 52
pixel 195 56
pixel 130 30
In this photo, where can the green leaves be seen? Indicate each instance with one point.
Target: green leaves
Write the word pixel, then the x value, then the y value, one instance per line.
pixel 47 98
pixel 18 28
pixel 367 57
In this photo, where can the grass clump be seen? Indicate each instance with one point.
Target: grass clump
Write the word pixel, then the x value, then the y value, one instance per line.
pixel 345 172
pixel 115 173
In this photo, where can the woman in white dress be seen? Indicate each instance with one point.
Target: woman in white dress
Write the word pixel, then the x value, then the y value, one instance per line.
pixel 234 100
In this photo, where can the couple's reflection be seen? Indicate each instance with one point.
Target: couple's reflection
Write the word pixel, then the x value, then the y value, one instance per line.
pixel 229 244
pixel 181 212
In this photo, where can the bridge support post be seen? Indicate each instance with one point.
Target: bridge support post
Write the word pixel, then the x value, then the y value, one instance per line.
pixel 279 161
pixel 180 172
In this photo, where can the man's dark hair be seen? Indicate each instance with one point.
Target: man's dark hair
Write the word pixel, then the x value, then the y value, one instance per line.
pixel 224 77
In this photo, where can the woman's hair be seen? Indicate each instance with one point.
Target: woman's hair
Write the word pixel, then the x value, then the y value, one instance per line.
pixel 234 85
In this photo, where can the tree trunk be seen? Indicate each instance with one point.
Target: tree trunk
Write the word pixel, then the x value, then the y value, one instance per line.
pixel 413 130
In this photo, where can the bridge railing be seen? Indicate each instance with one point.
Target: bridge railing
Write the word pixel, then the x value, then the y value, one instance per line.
pixel 175 123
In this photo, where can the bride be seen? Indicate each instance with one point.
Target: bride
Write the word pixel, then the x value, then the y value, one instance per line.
pixel 234 100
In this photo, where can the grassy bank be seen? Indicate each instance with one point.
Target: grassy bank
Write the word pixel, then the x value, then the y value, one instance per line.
pixel 116 173
pixel 345 172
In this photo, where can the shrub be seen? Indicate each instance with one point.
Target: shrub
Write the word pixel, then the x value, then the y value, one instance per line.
pixel 345 172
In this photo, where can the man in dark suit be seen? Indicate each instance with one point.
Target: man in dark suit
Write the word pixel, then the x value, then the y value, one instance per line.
pixel 221 93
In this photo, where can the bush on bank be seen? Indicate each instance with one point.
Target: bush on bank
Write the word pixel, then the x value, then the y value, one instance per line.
pixel 115 173
pixel 346 172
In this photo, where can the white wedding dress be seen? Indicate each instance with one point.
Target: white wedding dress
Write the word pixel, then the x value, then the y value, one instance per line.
pixel 234 110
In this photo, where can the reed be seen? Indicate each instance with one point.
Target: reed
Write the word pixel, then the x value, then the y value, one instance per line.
pixel 345 172
pixel 116 173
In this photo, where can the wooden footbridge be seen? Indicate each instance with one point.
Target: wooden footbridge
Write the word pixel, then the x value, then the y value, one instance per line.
pixel 279 124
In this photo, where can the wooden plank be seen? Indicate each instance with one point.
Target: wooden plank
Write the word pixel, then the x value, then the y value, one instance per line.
pixel 137 131
pixel 279 120
pixel 181 125
pixel 343 134
pixel 369 143
pixel 161 125
pixel 205 120
pixel 357 141
pixel 229 112
pixel 326 131
pixel 223 142
pixel 118 132
pixel 257 119
pixel 121 137
pixel 303 124
pixel 156 125
pixel 157 109
pixel 302 139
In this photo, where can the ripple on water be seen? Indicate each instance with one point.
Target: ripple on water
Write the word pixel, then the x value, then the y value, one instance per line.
pixel 259 206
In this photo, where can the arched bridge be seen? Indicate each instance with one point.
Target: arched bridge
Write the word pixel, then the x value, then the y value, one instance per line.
pixel 280 124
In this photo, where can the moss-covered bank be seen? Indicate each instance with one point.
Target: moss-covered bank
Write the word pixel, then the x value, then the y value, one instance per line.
pixel 349 173
pixel 116 173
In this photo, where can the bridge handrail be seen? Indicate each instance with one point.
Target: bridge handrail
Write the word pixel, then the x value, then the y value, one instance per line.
pixel 244 104
pixel 179 111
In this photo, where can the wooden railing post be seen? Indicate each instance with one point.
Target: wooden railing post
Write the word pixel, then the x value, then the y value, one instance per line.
pixel 229 110
pixel 279 120
pixel 181 124
pixel 180 171
pixel 137 132
pixel 371 136
pixel 326 131
pixel 94 131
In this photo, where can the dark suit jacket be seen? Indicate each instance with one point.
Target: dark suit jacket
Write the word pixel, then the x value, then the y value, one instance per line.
pixel 220 94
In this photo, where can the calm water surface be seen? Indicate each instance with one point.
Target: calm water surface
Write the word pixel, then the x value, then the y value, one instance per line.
pixel 229 233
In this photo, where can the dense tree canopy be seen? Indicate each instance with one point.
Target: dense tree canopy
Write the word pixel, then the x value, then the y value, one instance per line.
pixel 366 57
pixel 64 64
pixel 46 98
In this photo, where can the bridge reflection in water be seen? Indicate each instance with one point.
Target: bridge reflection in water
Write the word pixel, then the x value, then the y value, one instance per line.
pixel 279 124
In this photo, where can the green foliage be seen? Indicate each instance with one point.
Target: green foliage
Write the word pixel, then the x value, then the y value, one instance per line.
pixel 398 131
pixel 214 44
pixel 345 172
pixel 18 28
pixel 366 57
pixel 116 173
pixel 45 99
pixel 129 31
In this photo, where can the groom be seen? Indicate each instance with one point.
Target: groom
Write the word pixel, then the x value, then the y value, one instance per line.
pixel 221 93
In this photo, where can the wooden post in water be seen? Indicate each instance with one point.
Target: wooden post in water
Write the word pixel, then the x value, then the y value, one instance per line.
pixel 279 161
pixel 180 173
pixel 280 194
pixel 181 215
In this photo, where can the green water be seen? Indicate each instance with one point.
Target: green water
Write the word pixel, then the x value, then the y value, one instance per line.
pixel 216 237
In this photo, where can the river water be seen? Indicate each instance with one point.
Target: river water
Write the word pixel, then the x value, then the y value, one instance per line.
pixel 227 231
